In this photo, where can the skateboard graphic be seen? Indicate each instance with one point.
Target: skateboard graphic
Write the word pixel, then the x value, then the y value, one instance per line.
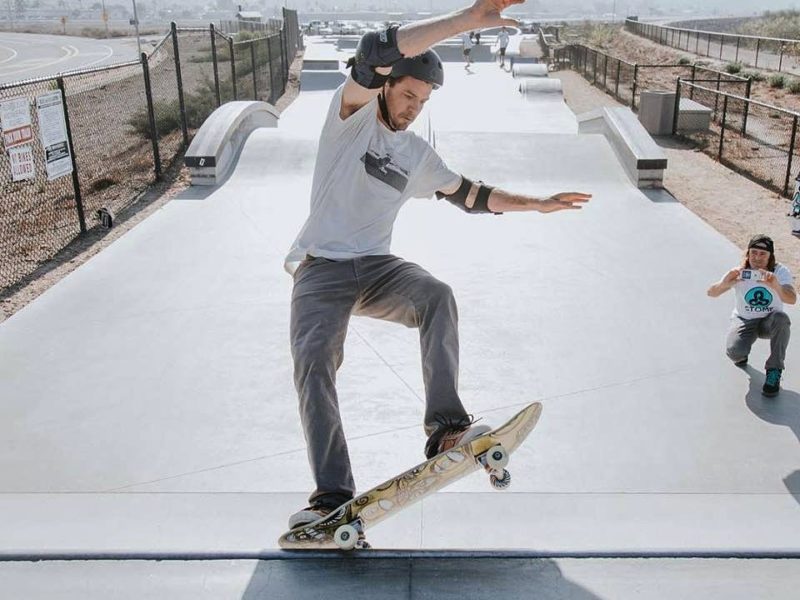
pixel 341 528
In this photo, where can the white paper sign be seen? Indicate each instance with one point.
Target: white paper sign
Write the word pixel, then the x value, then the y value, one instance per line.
pixel 15 118
pixel 22 165
pixel 53 131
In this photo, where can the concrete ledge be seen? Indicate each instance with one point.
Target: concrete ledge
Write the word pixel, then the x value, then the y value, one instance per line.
pixel 643 160
pixel 529 70
pixel 693 116
pixel 213 151
pixel 321 64
pixel 534 86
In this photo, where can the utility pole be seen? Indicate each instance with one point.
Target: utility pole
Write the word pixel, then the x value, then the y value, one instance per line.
pixel 105 17
pixel 136 24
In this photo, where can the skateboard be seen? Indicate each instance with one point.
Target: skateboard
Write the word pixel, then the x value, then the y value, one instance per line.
pixel 343 528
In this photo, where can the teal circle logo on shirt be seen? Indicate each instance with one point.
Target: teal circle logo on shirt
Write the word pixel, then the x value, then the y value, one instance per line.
pixel 758 298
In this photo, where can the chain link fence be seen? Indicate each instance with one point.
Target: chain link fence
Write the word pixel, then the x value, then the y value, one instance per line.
pixel 625 80
pixel 759 52
pixel 122 127
pixel 750 137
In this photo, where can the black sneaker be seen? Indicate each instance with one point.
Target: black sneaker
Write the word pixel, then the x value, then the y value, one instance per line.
pixel 772 385
pixel 741 363
pixel 452 433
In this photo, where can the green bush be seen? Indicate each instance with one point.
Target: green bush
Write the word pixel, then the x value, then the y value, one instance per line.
pixel 794 86
pixel 754 75
pixel 684 60
pixel 777 81
pixel 199 105
pixel 733 68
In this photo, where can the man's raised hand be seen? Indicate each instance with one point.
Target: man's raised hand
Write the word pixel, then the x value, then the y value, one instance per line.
pixel 486 13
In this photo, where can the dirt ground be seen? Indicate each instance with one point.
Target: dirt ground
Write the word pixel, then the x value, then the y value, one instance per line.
pixel 730 203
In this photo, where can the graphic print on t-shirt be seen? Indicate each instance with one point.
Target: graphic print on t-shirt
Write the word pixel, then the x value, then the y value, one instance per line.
pixel 758 298
pixel 383 169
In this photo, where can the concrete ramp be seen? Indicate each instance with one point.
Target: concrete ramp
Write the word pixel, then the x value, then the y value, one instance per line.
pixel 148 410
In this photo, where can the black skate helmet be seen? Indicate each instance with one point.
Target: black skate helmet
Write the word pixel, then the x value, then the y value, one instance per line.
pixel 425 67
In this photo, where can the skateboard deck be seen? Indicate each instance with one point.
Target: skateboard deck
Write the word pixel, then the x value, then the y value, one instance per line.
pixel 490 451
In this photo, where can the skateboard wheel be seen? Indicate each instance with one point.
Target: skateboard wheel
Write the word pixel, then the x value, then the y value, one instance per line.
pixel 497 458
pixel 346 537
pixel 502 482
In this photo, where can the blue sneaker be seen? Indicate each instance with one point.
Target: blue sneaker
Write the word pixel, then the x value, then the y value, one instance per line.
pixel 772 385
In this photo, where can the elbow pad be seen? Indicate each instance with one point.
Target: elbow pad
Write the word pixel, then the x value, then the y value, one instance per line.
pixel 376 49
pixel 459 197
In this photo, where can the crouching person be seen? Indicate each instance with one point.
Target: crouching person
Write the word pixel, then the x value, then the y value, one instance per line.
pixel 762 287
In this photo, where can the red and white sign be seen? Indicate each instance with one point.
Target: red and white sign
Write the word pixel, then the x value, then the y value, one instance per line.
pixel 15 118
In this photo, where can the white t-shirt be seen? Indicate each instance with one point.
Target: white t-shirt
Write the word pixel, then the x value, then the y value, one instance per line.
pixel 467 41
pixel 364 173
pixel 754 300
pixel 502 39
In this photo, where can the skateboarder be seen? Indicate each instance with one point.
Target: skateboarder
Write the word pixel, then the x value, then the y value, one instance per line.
pixel 367 166
pixel 762 287
pixel 502 41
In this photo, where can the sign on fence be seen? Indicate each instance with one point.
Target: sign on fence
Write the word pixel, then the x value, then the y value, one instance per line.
pixel 53 130
pixel 15 116
pixel 22 165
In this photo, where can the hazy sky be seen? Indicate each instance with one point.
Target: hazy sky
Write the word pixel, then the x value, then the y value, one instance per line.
pixel 594 6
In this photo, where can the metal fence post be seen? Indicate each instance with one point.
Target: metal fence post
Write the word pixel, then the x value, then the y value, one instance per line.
pixel 271 77
pixel 791 155
pixel 184 126
pixel 76 184
pixel 746 104
pixel 605 71
pixel 252 45
pixel 694 76
pixel 758 47
pixel 697 43
pixel 151 114
pixel 738 41
pixel 214 57
pixel 616 84
pixel 780 60
pixel 635 83
pixel 708 49
pixel 677 109
pixel 233 69
pixel 722 127
pixel 594 68
pixel 721 45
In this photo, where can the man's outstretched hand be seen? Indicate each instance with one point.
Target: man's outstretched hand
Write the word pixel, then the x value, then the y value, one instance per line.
pixel 486 13
pixel 564 201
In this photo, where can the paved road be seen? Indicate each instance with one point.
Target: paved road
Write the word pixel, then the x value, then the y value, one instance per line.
pixel 31 55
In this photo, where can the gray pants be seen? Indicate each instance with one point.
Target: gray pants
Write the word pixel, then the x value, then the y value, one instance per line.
pixel 744 332
pixel 385 287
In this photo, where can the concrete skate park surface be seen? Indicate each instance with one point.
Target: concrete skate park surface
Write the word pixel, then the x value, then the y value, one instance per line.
pixel 149 411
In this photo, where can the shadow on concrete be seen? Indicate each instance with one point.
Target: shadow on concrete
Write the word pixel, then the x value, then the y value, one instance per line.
pixel 315 81
pixel 783 409
pixel 424 578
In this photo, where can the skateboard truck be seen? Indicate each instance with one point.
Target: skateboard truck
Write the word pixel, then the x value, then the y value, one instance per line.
pixel 495 461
